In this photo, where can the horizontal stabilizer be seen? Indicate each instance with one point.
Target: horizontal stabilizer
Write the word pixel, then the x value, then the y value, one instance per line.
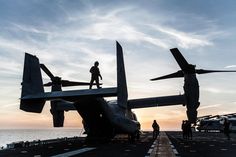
pixel 156 101
pixel 73 95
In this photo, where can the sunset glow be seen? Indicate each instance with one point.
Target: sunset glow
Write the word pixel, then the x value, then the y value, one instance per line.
pixel 68 36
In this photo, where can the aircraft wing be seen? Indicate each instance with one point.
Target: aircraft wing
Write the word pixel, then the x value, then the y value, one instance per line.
pixel 156 101
pixel 72 94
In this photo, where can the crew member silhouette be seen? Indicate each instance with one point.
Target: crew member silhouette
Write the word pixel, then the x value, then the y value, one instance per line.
pixel 184 130
pixel 189 130
pixel 95 73
pixel 156 129
pixel 226 128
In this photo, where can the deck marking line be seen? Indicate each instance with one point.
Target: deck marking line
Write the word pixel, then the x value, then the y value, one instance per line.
pixel 75 152
pixel 175 151
pixel 149 151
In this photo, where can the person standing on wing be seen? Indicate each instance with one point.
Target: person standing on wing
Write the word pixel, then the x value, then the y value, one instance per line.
pixel 95 74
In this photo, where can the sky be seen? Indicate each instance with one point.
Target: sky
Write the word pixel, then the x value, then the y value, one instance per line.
pixel 69 35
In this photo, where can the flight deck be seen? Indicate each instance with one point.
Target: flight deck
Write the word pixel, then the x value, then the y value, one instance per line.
pixel 168 144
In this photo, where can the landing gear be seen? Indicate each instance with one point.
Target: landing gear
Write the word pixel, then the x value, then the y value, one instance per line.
pixel 134 136
pixel 131 138
pixel 138 135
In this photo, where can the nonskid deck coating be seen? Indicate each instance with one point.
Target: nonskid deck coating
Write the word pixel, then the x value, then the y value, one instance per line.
pixel 202 145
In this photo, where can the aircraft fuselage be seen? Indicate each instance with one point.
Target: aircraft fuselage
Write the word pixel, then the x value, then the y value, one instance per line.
pixel 103 120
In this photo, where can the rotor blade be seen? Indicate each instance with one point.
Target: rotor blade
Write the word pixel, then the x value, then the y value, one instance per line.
pixel 47 84
pixel 66 83
pixel 180 59
pixel 202 71
pixel 45 69
pixel 173 75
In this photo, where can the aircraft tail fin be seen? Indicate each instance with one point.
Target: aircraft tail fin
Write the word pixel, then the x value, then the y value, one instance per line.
pixel 122 93
pixel 32 84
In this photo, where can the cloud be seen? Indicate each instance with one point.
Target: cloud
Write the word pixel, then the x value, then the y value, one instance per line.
pixel 209 106
pixel 114 27
pixel 230 66
pixel 77 35
pixel 183 39
pixel 29 29
pixel 217 90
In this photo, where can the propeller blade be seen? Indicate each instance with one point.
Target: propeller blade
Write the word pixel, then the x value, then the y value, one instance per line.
pixel 173 75
pixel 180 59
pixel 66 83
pixel 202 71
pixel 47 84
pixel 45 69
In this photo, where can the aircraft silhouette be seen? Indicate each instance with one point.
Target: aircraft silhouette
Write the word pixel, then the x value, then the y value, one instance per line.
pixel 102 119
pixel 230 115
pixel 215 123
pixel 191 86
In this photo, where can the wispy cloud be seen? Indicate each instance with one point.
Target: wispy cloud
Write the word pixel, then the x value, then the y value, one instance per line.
pixel 218 90
pixel 72 37
pixel 209 106
pixel 183 39
pixel 115 27
pixel 230 66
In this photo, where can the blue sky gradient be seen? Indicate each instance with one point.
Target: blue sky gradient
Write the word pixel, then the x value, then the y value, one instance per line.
pixel 68 36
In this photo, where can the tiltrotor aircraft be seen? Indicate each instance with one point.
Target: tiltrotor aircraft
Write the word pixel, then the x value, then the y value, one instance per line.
pixel 102 119
pixel 215 123
pixel 191 86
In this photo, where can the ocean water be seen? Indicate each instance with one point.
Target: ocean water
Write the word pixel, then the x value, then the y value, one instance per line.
pixel 13 135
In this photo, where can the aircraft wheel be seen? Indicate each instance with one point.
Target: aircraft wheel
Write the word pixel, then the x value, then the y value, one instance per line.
pixel 132 138
pixel 138 135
